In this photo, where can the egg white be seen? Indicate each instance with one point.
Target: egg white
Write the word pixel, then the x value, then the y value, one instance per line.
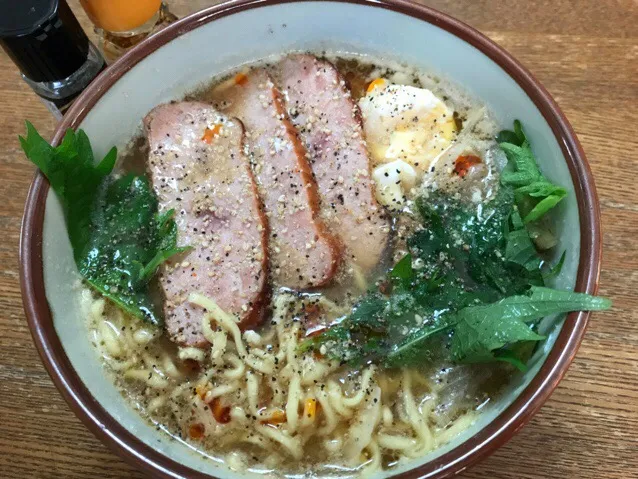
pixel 408 128
pixel 402 122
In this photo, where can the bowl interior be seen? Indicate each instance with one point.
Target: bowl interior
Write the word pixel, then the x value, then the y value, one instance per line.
pixel 248 35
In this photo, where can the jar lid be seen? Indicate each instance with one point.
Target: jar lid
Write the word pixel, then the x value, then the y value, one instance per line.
pixel 43 38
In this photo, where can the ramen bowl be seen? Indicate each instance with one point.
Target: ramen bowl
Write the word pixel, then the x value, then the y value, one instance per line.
pixel 188 53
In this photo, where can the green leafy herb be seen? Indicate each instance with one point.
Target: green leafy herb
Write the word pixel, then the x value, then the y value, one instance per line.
pixel 519 247
pixel 488 248
pixel 403 271
pixel 516 354
pixel 516 137
pixel 535 195
pixel 479 290
pixel 463 254
pixel 477 335
pixel 118 238
pixel 556 269
pixel 480 330
pixel 421 344
pixel 73 176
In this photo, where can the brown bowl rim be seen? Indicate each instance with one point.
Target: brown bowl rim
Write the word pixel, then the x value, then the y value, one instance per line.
pixel 486 441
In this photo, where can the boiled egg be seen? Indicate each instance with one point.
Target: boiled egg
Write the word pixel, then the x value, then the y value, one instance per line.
pixel 393 180
pixel 406 123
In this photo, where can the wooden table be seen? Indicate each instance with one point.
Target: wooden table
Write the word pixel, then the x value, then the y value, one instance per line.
pixel 586 53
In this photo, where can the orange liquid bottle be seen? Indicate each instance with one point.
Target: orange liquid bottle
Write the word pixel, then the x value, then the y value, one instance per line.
pixel 121 15
pixel 122 24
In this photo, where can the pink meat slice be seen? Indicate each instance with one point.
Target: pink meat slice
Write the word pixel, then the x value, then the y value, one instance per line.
pixel 321 107
pixel 198 168
pixel 302 252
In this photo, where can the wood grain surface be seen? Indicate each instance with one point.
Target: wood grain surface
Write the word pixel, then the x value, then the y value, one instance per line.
pixel 586 53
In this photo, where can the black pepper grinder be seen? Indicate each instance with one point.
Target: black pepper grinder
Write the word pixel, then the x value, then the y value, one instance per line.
pixel 47 43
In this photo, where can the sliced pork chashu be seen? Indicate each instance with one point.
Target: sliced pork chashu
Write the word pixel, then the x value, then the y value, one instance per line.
pixel 198 168
pixel 302 252
pixel 323 111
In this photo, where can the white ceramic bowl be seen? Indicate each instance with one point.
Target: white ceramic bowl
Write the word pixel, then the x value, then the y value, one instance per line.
pixel 219 39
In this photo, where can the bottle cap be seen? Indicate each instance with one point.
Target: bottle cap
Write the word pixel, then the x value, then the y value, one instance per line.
pixel 43 38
